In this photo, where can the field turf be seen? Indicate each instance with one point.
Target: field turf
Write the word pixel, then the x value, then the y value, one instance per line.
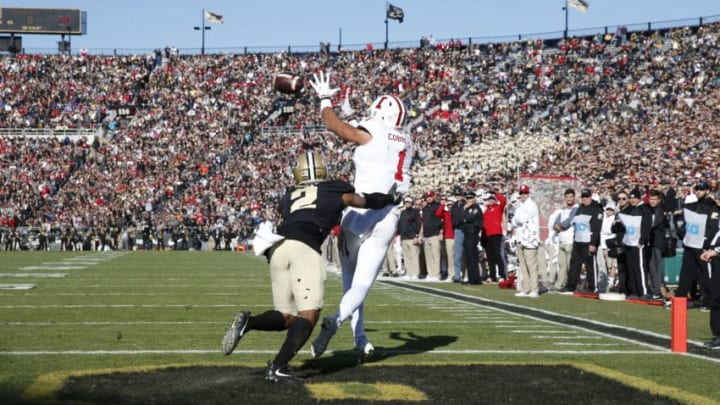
pixel 145 327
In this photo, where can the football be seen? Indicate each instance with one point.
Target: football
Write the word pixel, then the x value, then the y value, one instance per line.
pixel 287 83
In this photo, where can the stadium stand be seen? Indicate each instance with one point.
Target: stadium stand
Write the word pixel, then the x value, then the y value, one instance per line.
pixel 123 152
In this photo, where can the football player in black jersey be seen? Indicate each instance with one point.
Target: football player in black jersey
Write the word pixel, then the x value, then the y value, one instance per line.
pixel 297 269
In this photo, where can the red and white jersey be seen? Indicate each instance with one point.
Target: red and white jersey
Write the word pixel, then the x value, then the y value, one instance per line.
pixel 384 160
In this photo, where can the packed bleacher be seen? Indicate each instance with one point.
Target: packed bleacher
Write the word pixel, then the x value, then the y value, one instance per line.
pixel 199 148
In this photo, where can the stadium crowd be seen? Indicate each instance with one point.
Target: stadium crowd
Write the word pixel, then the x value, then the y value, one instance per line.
pixel 199 148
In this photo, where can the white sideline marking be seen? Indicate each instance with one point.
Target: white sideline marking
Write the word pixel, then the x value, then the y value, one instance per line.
pixel 97 323
pixel 564 337
pixel 64 263
pixel 238 352
pixel 127 294
pixel 16 287
pixel 584 344
pixel 125 306
pixel 34 275
pixel 497 320
pixel 163 285
pixel 60 323
pixel 101 257
pixel 49 267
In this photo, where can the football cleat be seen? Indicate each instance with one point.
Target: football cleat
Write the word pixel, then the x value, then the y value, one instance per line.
pixel 367 353
pixel 328 329
pixel 277 374
pixel 235 332
pixel 713 344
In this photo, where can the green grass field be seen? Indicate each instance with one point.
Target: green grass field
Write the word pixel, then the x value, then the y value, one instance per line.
pixel 140 312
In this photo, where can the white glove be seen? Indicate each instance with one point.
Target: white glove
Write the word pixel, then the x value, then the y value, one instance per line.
pixel 321 84
pixel 346 108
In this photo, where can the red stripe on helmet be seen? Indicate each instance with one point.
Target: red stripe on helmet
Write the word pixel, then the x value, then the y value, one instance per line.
pixel 401 115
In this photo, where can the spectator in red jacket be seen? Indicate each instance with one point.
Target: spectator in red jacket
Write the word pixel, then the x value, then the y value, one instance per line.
pixel 492 235
pixel 448 232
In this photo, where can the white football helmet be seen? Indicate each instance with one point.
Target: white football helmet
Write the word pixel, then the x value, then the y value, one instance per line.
pixel 310 168
pixel 389 110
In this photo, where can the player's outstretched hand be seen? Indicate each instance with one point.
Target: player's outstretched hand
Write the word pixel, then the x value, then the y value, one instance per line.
pixel 346 108
pixel 321 84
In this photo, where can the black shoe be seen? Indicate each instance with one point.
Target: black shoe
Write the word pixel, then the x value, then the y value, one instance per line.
pixel 657 296
pixel 712 344
pixel 366 353
pixel 566 291
pixel 456 280
pixel 277 374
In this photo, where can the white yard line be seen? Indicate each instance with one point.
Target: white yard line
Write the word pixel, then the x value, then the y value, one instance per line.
pixel 240 352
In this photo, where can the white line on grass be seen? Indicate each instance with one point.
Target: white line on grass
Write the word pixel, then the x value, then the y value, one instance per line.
pixel 100 323
pixel 599 323
pixel 89 323
pixel 34 275
pixel 239 352
pixel 585 344
pixel 119 294
pixel 76 306
pixel 564 337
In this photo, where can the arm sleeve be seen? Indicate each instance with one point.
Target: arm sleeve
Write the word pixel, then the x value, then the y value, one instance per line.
pixel 567 223
pixel 440 211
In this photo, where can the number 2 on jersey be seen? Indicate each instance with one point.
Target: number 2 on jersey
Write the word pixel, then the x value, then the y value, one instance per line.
pixel 303 198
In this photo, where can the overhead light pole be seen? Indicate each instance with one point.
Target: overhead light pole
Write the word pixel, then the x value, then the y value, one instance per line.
pixel 202 28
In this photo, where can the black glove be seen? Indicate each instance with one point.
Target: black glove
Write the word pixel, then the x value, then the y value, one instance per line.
pixel 397 197
pixel 376 201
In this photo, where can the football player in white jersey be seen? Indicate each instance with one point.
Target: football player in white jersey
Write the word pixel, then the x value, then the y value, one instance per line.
pixel 382 162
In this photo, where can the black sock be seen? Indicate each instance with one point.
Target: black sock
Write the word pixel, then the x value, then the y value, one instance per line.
pixel 297 335
pixel 269 321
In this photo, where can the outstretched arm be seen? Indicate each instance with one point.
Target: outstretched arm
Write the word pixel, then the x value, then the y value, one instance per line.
pixel 342 129
pixel 321 84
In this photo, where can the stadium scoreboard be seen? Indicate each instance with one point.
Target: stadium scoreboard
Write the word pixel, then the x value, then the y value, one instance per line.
pixel 42 21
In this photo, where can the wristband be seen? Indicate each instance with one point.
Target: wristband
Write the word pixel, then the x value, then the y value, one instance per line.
pixel 325 102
